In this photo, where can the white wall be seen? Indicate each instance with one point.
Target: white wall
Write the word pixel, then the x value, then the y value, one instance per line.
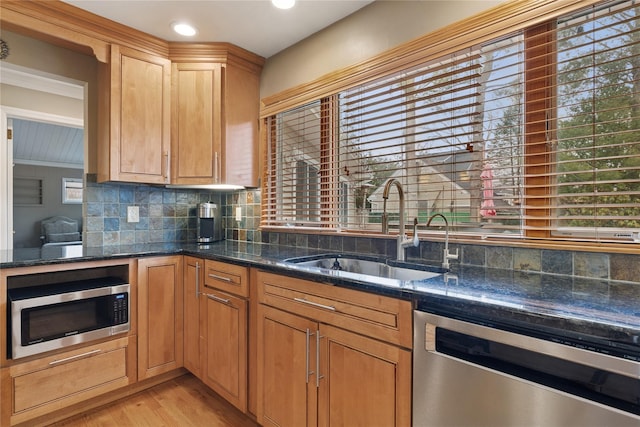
pixel 34 100
pixel 372 30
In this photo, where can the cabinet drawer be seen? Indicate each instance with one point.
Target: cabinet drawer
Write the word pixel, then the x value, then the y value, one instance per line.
pixel 376 316
pixel 54 382
pixel 227 277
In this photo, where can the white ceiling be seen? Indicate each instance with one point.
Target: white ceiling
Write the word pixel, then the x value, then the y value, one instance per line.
pixel 255 25
pixel 45 144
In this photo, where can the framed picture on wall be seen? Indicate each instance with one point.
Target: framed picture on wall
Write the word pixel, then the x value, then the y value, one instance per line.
pixel 72 190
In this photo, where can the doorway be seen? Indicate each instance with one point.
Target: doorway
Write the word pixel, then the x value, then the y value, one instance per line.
pixel 35 84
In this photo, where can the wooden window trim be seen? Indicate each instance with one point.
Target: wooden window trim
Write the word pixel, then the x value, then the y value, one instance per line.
pixel 496 22
pixel 539 74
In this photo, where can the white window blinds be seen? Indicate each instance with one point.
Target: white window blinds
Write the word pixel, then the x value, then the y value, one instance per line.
pixel 300 168
pixel 595 186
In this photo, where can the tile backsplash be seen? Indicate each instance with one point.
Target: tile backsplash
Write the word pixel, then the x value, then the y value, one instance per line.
pixel 166 215
pixel 169 215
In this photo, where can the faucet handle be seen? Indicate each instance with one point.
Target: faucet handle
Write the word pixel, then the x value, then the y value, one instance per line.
pixel 416 241
pixel 446 256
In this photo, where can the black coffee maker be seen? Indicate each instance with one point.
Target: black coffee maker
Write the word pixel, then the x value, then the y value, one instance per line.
pixel 209 223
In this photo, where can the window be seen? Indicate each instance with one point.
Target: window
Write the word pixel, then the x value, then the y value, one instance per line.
pixel 597 151
pixel 449 131
pixel 27 191
pixel 72 190
pixel 531 134
pixel 298 167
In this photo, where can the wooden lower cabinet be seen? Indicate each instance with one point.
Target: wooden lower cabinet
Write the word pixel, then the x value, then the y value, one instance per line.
pixel 226 318
pixel 287 394
pixel 314 374
pixel 50 383
pixel 160 315
pixel 216 327
pixel 363 382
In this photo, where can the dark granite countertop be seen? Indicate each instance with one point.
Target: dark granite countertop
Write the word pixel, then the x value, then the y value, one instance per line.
pixel 603 311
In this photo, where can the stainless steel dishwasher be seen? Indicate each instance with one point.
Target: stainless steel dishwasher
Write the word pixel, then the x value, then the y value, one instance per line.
pixel 468 374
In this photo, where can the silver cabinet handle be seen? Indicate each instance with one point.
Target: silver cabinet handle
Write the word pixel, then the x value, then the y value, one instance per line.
pixel 197 279
pixel 216 168
pixel 309 373
pixel 76 357
pixel 315 304
pixel 166 166
pixel 224 279
pixel 218 299
pixel 318 376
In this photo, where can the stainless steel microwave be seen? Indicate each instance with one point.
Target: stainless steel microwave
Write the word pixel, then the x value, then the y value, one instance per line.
pixel 50 317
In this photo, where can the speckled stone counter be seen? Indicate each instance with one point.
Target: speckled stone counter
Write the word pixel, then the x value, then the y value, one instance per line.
pixel 545 305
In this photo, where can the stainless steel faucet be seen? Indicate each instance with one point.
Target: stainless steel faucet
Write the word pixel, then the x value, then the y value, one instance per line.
pixel 446 256
pixel 402 242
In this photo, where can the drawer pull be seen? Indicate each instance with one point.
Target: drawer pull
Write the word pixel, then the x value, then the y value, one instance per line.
pixel 218 299
pixel 224 279
pixel 315 304
pixel 76 357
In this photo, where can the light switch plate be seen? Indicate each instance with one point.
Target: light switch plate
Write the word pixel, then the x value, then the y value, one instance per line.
pixel 133 214
pixel 238 213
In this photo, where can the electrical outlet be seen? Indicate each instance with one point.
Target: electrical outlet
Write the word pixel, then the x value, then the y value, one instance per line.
pixel 133 214
pixel 238 213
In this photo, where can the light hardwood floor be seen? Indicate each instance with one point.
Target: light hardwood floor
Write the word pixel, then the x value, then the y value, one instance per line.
pixel 183 402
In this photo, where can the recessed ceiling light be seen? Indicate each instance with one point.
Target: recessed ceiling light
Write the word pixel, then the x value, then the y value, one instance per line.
pixel 184 29
pixel 283 4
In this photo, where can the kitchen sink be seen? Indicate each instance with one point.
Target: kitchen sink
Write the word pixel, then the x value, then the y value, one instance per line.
pixel 366 266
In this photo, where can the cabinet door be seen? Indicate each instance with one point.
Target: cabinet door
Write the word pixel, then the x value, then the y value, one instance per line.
pixel 135 145
pixel 240 134
pixel 160 315
pixel 196 123
pixel 287 395
pixel 226 348
pixel 193 281
pixel 363 382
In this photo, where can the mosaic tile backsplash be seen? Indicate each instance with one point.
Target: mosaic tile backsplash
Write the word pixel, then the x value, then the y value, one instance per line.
pixel 169 215
pixel 166 215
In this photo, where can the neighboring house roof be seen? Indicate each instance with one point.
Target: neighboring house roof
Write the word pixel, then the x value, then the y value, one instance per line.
pixel 453 172
pixel 432 187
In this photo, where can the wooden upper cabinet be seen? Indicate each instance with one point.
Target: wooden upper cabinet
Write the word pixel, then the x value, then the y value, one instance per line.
pixel 241 105
pixel 216 103
pixel 135 111
pixel 197 115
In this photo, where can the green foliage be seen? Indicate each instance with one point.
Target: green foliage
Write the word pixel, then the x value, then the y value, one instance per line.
pixel 598 126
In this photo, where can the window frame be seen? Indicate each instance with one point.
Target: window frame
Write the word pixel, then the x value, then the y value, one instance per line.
pixel 515 16
pixel 67 199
